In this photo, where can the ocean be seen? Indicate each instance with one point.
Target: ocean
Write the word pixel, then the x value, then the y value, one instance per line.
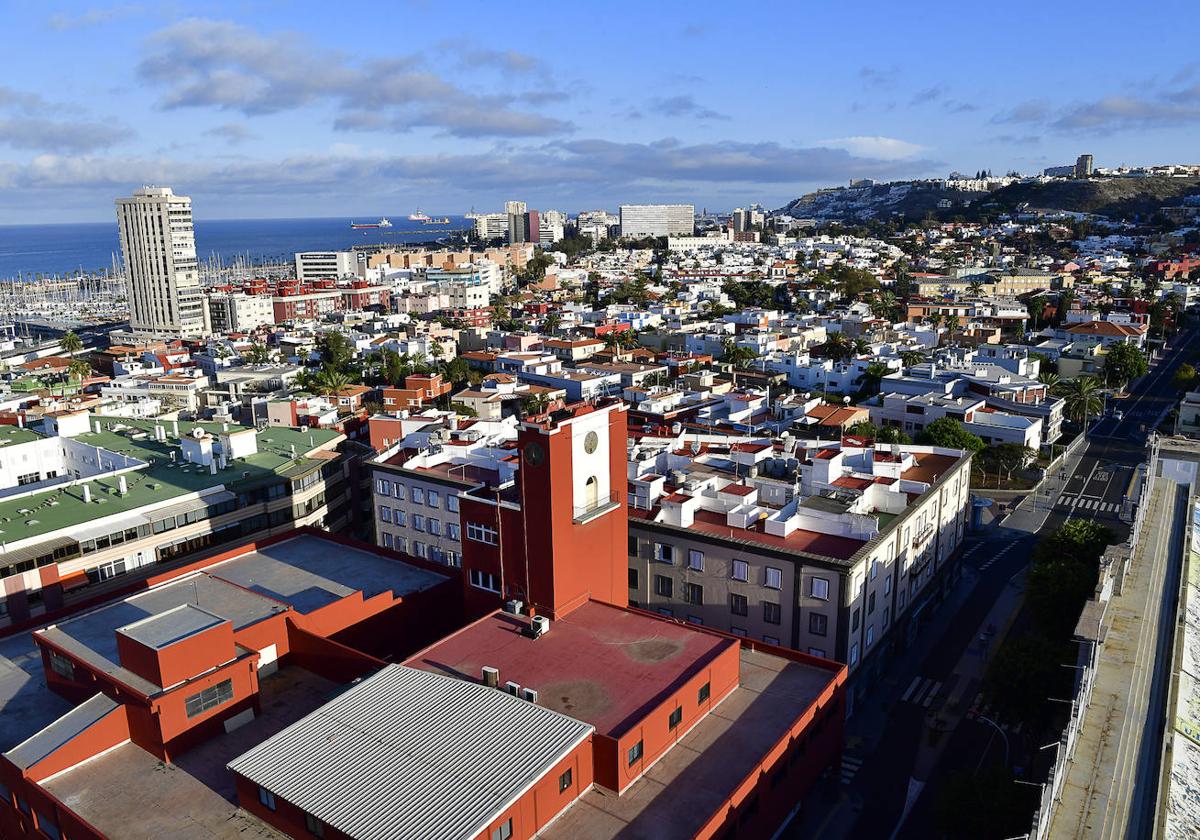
pixel 59 249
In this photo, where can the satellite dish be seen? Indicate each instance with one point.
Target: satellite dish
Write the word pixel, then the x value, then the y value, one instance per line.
pixel 197 433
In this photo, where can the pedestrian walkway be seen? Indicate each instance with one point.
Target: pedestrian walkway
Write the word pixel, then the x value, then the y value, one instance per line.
pixel 850 767
pixel 921 692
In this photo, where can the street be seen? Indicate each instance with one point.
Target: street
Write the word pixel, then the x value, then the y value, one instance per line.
pixel 893 769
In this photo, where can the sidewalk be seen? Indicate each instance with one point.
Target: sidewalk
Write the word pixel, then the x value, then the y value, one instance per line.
pixel 1031 514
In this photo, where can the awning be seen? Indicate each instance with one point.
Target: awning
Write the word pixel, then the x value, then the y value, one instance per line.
pixel 73 581
pixel 190 506
pixel 33 552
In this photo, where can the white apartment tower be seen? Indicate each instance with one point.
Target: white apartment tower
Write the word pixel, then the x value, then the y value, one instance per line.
pixel 159 246
pixel 658 220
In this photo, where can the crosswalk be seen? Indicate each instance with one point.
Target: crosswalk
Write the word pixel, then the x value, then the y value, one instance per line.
pixel 850 767
pixel 1091 505
pixel 921 691
pixel 999 555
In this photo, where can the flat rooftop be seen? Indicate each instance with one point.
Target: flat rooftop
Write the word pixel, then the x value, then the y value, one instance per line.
pixel 696 777
pixel 308 572
pixel 601 664
pixel 27 705
pixel 128 793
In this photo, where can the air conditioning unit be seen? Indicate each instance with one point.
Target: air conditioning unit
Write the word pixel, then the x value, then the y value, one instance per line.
pixel 513 607
pixel 530 694
pixel 513 688
pixel 540 625
pixel 491 676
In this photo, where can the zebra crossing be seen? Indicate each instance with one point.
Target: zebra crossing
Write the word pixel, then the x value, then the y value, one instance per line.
pixel 850 767
pixel 921 691
pixel 999 555
pixel 1080 503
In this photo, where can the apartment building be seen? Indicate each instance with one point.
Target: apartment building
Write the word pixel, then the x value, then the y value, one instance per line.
pixel 238 312
pixel 911 413
pixel 158 244
pixel 113 498
pixel 831 548
pixel 325 265
pixel 657 220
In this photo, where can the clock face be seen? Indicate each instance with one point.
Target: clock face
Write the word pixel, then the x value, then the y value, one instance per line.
pixel 590 441
pixel 534 454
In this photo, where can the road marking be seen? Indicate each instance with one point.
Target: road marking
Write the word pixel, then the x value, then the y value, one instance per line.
pixel 932 693
pixel 915 682
pixel 850 767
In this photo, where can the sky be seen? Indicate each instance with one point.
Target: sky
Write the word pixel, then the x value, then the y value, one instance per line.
pixel 273 109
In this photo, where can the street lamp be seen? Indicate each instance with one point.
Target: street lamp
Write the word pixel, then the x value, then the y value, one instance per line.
pixel 1003 735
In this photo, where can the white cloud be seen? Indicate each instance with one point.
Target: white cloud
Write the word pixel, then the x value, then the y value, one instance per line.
pixel 876 148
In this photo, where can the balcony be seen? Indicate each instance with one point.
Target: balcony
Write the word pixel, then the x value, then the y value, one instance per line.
pixel 920 538
pixel 586 513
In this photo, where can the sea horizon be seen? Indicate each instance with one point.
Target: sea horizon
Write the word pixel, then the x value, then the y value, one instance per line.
pixel 69 247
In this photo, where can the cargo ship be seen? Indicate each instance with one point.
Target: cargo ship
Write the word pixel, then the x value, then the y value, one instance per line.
pixel 382 223
pixel 418 216
pixel 445 220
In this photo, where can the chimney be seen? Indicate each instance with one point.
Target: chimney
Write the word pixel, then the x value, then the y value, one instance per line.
pixel 87 494
pixel 175 428
pixel 20 420
pixel 122 485
pixel 225 427
pixel 491 676
pixel 212 467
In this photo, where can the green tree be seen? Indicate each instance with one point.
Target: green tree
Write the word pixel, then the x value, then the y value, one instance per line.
pixel 330 380
pixel 872 376
pixel 1185 376
pixel 948 432
pixel 457 370
pixel 71 343
pixel 838 347
pixel 463 409
pixel 735 354
pixel 1082 398
pixel 256 354
pixel 335 350
pixel 1124 362
pixel 1008 457
pixel 908 358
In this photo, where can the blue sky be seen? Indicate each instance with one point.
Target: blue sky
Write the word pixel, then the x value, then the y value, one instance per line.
pixel 278 109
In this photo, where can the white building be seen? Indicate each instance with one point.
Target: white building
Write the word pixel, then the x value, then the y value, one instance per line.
pixel 489 226
pixel 238 312
pixel 325 265
pixel 159 247
pixel 658 219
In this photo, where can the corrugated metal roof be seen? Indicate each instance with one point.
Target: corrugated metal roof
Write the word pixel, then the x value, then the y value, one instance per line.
pixel 412 754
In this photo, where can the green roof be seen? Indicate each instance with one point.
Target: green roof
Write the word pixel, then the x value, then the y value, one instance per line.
pixel 162 480
pixel 10 435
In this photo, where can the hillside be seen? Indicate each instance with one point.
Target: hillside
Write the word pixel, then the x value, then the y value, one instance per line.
pixel 1117 198
pixel 1114 197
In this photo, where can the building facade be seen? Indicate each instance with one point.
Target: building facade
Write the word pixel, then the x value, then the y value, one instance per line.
pixel 158 244
pixel 658 220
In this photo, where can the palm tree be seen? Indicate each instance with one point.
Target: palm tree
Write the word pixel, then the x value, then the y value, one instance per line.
pixel 71 343
pixel 839 347
pixel 908 358
pixel 76 370
pixel 975 287
pixel 1050 379
pixel 331 380
pixel 535 404
pixel 873 375
pixel 1082 398
pixel 861 346
pixel 552 323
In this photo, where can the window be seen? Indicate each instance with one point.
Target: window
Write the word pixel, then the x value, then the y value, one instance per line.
pixel 635 753
pixel 399 517
pixel 773 578
pixel 433 498
pixel 418 522
pixel 695 560
pixel 420 549
pixel 452 531
pixel 383 487
pixel 664 553
pixel 565 780
pixel 819 588
pixel 315 827
pixel 266 798
pixel 703 693
pixel 738 631
pixel 855 619
pixel 481 533
pixel 664 586
pixel 387 540
pixel 887 617
pixel 812 651
pixel 818 624
pixel 870 635
pixel 61 665
pixel 402 544
pixel 738 605
pixel 633 546
pixel 695 619
pixel 435 527
pixel 771 640
pixel 484 580
pixel 740 570
pixel 871 603
pixel 417 495
pixel 675 718
pixel 902 598
pixel 887 586
pixel 874 569
pixel 854 654
pixel 771 612
pixel 503 831
pixel 209 698
pixel 693 593
pixel 633 578
pixel 452 503
pixel 667 611
pixel 453 558
pixel 385 513
pixel 48 827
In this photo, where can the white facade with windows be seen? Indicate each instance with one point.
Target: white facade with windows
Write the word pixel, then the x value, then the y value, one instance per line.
pixel 657 220
pixel 417 517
